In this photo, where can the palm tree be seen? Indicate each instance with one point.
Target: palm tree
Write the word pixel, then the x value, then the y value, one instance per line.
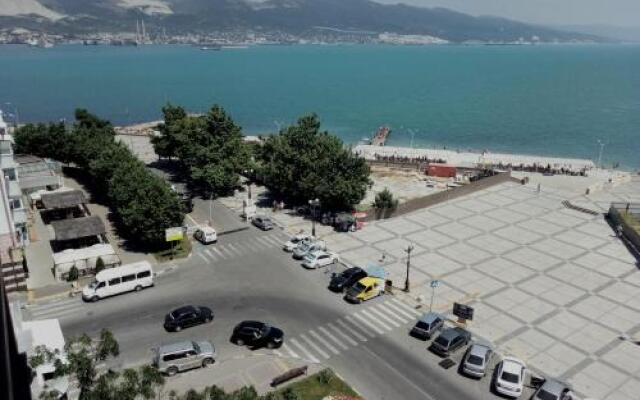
pixel 385 204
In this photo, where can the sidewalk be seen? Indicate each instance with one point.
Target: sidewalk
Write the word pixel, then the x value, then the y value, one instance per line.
pixel 255 370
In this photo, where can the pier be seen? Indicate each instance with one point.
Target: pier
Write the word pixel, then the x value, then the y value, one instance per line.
pixel 380 138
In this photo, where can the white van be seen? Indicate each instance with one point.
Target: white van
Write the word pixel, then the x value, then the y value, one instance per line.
pixel 125 278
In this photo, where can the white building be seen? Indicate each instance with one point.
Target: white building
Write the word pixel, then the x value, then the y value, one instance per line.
pixel 13 215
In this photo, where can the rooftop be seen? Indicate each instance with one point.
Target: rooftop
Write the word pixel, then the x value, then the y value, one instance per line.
pixel 74 228
pixel 65 199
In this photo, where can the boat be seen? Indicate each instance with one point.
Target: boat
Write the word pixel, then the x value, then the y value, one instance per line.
pixel 210 47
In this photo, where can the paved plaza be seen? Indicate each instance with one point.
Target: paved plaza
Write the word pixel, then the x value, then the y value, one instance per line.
pixel 550 285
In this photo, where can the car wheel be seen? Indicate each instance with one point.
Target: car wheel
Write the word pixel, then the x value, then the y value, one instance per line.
pixel 240 342
pixel 208 319
pixel 178 328
pixel 95 298
pixel 271 345
pixel 206 362
pixel 171 371
pixel 138 288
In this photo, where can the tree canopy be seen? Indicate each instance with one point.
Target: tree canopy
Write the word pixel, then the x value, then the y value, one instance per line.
pixel 302 162
pixel 384 203
pixel 209 148
pixel 143 203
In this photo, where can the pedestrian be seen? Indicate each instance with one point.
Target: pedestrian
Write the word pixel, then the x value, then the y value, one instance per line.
pixel 275 206
pixel 538 188
pixel 383 257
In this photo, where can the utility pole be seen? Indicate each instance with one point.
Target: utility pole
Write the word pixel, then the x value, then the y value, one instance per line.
pixel 407 284
pixel 434 284
pixel 314 204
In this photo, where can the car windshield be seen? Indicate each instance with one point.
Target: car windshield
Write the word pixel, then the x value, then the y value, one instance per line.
pixel 544 395
pixel 359 287
pixel 442 341
pixel 509 377
pixel 475 360
pixel 93 285
pixel 296 240
pixel 423 325
pixel 265 330
pixel 305 247
pixel 195 346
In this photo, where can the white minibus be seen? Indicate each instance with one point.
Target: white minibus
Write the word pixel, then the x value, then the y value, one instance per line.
pixel 125 278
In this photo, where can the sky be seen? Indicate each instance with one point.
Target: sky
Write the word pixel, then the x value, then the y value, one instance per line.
pixel 623 13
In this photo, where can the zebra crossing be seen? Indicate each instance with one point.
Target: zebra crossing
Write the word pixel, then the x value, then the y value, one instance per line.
pixel 57 309
pixel 349 331
pixel 224 251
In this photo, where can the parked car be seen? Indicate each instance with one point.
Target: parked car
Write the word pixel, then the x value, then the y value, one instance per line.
pixel 295 241
pixel 429 324
pixel 304 248
pixel 206 235
pixel 187 316
pixel 365 289
pixel 552 390
pixel 257 334
pixel 262 222
pixel 476 360
pixel 181 356
pixel 450 340
pixel 346 279
pixel 319 258
pixel 509 380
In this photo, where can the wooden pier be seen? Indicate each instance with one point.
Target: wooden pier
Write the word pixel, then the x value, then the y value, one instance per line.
pixel 380 138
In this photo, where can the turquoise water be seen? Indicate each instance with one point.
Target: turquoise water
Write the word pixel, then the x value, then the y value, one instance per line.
pixel 550 100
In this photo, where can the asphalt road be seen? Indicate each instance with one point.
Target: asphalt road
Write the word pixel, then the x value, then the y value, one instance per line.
pixel 246 275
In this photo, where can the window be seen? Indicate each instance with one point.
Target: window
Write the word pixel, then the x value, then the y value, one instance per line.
pixel 129 278
pixel 101 285
pixel 174 356
pixel 114 281
pixel 15 204
pixel 143 274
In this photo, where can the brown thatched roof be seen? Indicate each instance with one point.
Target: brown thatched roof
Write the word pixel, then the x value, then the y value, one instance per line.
pixel 66 199
pixel 74 228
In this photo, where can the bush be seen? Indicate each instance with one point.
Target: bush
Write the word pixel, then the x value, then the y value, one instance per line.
pixel 73 274
pixel 324 376
pixel 99 265
pixel 385 204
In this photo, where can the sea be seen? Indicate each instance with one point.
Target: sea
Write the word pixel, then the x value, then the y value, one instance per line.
pixel 555 100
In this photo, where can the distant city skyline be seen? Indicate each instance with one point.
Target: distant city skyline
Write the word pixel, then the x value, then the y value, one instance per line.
pixel 623 13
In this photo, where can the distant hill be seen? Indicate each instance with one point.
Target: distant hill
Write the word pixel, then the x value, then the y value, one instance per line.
pixel 621 33
pixel 291 16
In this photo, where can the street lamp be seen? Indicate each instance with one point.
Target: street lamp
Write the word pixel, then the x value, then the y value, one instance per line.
pixel 408 250
pixel 434 285
pixel 599 165
pixel 314 204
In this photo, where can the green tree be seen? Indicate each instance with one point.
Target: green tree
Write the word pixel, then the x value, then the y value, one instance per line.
pixel 385 204
pixel 165 144
pixel 302 162
pixel 73 274
pixel 99 265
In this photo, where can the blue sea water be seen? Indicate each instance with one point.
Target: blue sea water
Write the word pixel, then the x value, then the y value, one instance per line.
pixel 548 100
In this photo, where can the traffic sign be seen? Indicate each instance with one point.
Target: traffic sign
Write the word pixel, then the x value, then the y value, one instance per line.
pixel 435 284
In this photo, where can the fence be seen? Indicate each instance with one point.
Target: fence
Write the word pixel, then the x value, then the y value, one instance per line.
pixel 449 194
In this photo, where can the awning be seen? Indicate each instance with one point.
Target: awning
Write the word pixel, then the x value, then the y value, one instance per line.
pixel 67 199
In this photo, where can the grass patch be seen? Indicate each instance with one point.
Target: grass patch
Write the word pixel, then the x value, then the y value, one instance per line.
pixel 182 250
pixel 318 386
pixel 631 221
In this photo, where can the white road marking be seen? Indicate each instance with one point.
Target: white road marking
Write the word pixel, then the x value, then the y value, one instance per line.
pixel 373 319
pixel 399 310
pixel 303 350
pixel 215 249
pixel 366 322
pixel 291 352
pixel 333 338
pixel 406 307
pixel 232 247
pixel 56 309
pixel 354 329
pixel 383 316
pixel 344 335
pixel 324 342
pixel 382 307
pixel 315 347
pixel 210 254
pixel 203 257
pixel 348 329
pixel 258 244
pixel 273 240
pixel 263 241
pixel 276 352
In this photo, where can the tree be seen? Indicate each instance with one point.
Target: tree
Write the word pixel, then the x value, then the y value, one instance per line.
pixel 302 163
pixel 99 264
pixel 82 356
pixel 385 204
pixel 73 274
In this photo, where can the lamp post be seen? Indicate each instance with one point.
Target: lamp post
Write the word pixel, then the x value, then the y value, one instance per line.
pixel 314 204
pixel 600 153
pixel 210 205
pixel 408 250
pixel 434 285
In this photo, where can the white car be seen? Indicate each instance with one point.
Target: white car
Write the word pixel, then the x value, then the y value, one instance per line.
pixel 319 258
pixel 509 380
pixel 295 240
pixel 206 235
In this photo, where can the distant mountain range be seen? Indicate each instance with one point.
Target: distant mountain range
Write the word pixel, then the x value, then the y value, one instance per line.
pixel 298 17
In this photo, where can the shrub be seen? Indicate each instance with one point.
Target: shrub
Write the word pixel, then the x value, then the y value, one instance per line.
pixel 73 274
pixel 99 265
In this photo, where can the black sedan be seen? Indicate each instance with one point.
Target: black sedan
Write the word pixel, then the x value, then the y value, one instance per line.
pixel 257 334
pixel 346 279
pixel 187 316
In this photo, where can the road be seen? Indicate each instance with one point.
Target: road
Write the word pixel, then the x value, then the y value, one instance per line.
pixel 247 275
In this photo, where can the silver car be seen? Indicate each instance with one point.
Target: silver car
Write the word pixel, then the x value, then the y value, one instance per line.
pixel 476 360
pixel 308 247
pixel 181 356
pixel 552 390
